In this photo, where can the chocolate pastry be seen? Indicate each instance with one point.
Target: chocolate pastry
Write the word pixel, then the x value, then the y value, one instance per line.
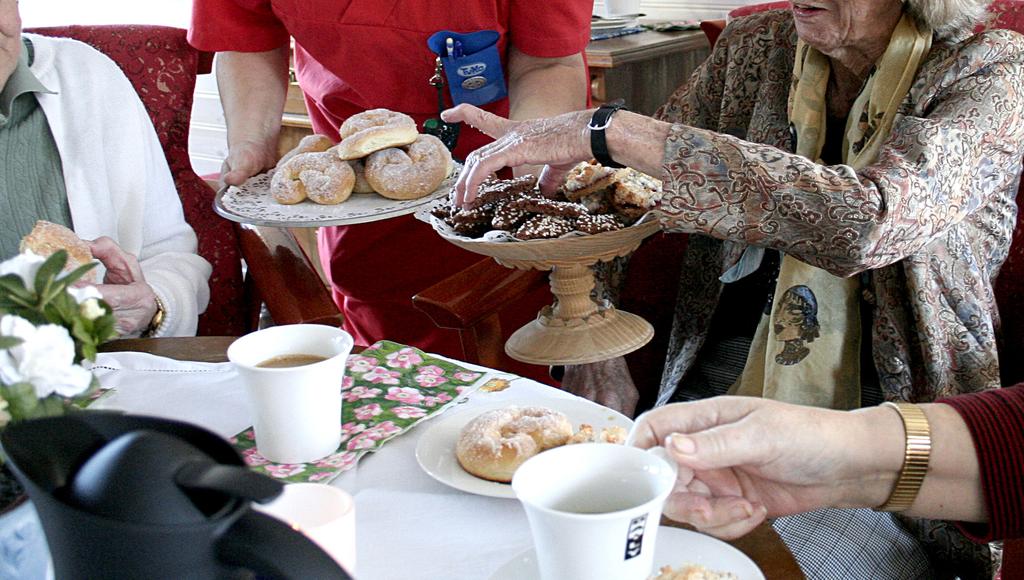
pixel 544 226
pixel 508 217
pixel 493 190
pixel 549 206
pixel 596 224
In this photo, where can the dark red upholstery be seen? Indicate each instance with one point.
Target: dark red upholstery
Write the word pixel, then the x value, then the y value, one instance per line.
pixel 162 67
pixel 711 29
pixel 755 8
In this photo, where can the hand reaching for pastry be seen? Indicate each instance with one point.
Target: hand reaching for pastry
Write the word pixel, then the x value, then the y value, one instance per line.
pixel 607 383
pixel 124 287
pixel 558 143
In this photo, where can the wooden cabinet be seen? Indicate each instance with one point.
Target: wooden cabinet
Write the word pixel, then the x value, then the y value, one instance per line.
pixel 644 68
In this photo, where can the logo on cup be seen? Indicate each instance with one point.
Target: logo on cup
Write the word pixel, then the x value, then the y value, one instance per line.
pixel 635 537
pixel 472 69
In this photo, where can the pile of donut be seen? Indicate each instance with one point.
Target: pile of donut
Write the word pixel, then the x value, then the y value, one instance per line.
pixel 380 151
pixel 495 443
pixel 593 199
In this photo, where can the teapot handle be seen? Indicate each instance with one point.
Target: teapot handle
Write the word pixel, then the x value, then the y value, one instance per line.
pixel 272 549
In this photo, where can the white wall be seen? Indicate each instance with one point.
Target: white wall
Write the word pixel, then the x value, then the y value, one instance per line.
pixel 684 9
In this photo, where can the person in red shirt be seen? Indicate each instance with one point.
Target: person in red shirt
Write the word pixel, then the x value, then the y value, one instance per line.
pixel 354 55
pixel 742 459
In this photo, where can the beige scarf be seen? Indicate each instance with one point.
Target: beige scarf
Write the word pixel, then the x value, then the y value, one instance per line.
pixel 808 349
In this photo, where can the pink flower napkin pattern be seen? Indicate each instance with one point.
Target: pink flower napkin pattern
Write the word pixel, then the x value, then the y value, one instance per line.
pixel 386 390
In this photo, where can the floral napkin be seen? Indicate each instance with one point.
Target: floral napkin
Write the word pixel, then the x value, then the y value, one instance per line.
pixel 386 390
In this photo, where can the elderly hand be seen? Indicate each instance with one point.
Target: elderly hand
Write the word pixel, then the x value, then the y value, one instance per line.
pixel 124 288
pixel 245 159
pixel 607 382
pixel 558 142
pixel 10 39
pixel 742 459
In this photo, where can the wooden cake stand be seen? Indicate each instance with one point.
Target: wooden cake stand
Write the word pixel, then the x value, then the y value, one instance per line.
pixel 575 329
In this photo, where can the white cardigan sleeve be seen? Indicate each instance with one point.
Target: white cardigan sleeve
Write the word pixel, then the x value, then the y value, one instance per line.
pixel 116 175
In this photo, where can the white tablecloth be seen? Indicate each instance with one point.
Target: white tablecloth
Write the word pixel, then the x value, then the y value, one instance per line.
pixel 408 525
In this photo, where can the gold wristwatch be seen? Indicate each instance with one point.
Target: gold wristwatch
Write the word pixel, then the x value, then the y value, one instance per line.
pixel 157 320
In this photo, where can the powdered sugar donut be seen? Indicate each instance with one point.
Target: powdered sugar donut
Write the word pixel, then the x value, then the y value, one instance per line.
pixel 309 144
pixel 321 177
pixel 494 444
pixel 359 167
pixel 409 172
pixel 373 130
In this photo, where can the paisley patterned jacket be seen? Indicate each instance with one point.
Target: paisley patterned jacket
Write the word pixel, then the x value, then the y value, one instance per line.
pixel 926 226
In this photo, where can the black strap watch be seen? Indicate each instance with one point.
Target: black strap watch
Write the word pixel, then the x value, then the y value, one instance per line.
pixel 598 123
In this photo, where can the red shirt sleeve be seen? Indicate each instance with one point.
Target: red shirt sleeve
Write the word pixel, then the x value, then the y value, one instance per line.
pixel 236 25
pixel 996 421
pixel 550 29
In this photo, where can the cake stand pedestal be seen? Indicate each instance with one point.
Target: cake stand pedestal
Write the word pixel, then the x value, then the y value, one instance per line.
pixel 575 329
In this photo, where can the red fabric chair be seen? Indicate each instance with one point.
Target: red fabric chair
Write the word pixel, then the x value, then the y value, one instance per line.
pixel 755 8
pixel 162 67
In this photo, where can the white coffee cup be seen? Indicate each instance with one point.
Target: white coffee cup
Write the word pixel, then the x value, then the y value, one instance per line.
pixel 621 7
pixel 594 509
pixel 324 514
pixel 296 411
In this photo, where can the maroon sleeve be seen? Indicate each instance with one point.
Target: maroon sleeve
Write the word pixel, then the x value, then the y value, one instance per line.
pixel 235 25
pixel 550 29
pixel 996 421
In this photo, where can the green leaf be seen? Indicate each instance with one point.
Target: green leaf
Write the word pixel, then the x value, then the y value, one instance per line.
pixel 7 342
pixel 14 285
pixel 77 273
pixel 50 268
pixel 21 400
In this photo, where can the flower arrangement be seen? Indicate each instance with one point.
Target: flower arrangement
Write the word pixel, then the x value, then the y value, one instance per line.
pixel 48 327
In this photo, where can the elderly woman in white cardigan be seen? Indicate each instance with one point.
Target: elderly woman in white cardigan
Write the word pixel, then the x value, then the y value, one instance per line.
pixel 77 148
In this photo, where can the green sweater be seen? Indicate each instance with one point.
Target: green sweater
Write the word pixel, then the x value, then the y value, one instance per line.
pixel 31 178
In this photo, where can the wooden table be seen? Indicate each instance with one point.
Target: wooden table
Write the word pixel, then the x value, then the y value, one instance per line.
pixel 762 545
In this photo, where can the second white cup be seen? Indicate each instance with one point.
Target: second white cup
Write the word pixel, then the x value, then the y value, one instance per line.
pixel 296 410
pixel 324 514
pixel 594 509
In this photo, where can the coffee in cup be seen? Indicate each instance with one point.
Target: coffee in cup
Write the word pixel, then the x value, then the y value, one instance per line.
pixel 296 410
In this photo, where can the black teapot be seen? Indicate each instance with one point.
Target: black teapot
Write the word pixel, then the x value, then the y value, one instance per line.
pixel 124 496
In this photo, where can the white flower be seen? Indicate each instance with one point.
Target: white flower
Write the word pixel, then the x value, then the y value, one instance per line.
pixel 25 265
pixel 91 309
pixel 45 358
pixel 84 293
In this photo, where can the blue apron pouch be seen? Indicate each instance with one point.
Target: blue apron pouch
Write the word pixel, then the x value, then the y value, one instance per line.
pixel 472 65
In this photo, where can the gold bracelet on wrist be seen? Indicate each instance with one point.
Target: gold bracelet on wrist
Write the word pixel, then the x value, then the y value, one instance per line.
pixel 915 458
pixel 157 320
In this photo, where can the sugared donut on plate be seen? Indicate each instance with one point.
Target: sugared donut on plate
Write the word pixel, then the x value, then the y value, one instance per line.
pixel 321 177
pixel 495 443
pixel 359 167
pixel 409 172
pixel 373 130
pixel 308 144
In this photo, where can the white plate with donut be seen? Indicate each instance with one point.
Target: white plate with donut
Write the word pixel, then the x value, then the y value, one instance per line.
pixel 252 203
pixel 435 451
pixel 674 547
